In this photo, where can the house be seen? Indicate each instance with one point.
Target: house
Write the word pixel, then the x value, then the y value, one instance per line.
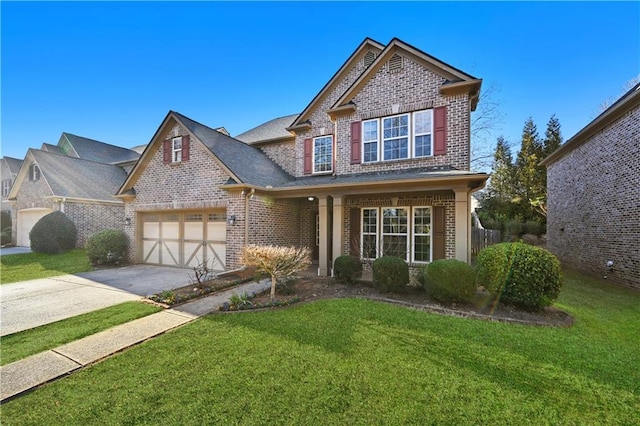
pixel 593 185
pixel 78 176
pixel 9 168
pixel 376 164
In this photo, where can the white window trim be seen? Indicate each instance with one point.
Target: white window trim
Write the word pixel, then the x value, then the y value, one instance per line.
pixel 176 153
pixel 411 148
pixel 6 187
pixel 407 234
pixel 411 234
pixel 313 155
pixel 34 172
pixel 408 137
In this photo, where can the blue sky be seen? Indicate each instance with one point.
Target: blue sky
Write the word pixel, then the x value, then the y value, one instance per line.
pixel 112 70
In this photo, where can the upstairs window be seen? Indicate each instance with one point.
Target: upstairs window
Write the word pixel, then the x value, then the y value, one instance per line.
pixel 34 172
pixel 398 137
pixel 176 145
pixel 323 154
pixel 6 186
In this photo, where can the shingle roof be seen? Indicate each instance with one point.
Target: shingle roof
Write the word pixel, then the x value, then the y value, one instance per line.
pixel 272 129
pixel 52 148
pixel 79 178
pixel 248 163
pixel 101 152
pixel 14 164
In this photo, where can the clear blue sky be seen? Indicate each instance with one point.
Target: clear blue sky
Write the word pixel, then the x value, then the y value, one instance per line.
pixel 112 71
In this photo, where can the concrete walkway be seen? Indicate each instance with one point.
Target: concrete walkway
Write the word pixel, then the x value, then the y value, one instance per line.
pixel 28 373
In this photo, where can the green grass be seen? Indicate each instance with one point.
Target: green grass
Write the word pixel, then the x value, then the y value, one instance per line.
pixel 353 361
pixel 30 266
pixel 30 342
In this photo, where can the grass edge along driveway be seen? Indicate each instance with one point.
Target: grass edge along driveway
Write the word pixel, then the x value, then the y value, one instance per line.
pixel 31 266
pixel 352 361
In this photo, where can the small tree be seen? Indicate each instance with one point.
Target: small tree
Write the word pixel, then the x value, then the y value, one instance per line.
pixel 278 262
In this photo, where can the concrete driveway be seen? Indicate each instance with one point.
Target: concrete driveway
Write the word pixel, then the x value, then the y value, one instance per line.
pixel 29 304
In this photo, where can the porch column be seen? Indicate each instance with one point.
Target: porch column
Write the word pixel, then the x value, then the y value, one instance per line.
pixel 323 247
pixel 463 225
pixel 338 225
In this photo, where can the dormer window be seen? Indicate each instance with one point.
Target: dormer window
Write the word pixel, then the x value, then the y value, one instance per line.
pixel 34 172
pixel 6 186
pixel 176 156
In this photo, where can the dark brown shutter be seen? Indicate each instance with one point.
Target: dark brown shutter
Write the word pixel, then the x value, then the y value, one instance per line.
pixel 439 233
pixel 167 151
pixel 356 132
pixel 440 130
pixel 185 148
pixel 354 232
pixel 308 149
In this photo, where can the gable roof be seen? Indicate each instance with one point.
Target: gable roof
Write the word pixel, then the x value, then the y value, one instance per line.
pixel 71 177
pixel 90 149
pixel 272 131
pixel 366 45
pixel 245 164
pixel 51 148
pixel 628 101
pixel 457 80
pixel 13 164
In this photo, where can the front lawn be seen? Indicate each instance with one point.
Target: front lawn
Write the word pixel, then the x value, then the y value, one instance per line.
pixel 353 361
pixel 30 342
pixel 30 266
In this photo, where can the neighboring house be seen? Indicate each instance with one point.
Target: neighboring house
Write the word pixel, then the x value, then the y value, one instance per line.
pixel 79 176
pixel 9 168
pixel 593 185
pixel 376 164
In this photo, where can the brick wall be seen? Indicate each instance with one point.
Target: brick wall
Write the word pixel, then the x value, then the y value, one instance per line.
pixel 594 203
pixel 92 218
pixel 412 88
pixel 274 222
pixel 283 154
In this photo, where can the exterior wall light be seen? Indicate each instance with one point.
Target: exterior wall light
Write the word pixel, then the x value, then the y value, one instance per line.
pixel 127 221
pixel 232 220
pixel 310 198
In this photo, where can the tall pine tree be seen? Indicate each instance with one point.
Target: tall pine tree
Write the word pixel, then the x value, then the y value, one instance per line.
pixel 530 184
pixel 502 179
pixel 552 137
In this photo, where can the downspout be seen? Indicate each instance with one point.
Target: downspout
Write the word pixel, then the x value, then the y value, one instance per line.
pixel 335 146
pixel 62 201
pixel 247 198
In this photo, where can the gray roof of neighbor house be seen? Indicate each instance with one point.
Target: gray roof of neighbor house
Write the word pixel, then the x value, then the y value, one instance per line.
pixel 14 164
pixel 90 149
pixel 52 148
pixel 79 178
pixel 248 163
pixel 272 129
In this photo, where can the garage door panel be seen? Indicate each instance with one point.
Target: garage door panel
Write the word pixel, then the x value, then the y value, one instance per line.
pixel 151 251
pixel 26 220
pixel 193 231
pixel 217 255
pixel 171 253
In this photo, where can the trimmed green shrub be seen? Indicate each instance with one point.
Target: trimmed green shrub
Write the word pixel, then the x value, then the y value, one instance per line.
pixel 450 280
pixel 107 247
pixel 347 269
pixel 390 274
pixel 54 233
pixel 5 227
pixel 520 274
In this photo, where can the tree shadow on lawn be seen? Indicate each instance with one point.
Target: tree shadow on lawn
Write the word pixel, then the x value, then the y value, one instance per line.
pixel 531 360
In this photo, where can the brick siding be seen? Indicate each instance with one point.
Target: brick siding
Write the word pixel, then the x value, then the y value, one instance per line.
pixel 283 154
pixel 594 203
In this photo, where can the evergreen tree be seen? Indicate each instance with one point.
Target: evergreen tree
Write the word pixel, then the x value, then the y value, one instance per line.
pixel 502 179
pixel 529 174
pixel 552 137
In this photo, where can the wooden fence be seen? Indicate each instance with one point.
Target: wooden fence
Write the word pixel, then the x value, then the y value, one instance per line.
pixel 481 238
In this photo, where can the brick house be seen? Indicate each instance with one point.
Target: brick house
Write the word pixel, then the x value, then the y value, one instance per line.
pixel 376 164
pixel 9 168
pixel 593 185
pixel 79 176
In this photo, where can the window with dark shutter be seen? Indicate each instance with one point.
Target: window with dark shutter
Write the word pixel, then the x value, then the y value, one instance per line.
pixel 166 148
pixel 440 130
pixel 356 135
pixel 354 232
pixel 308 156
pixel 185 148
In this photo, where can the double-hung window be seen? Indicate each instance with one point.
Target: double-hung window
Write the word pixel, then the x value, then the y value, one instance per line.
pixel 6 186
pixel 404 232
pixel 323 154
pixel 176 149
pixel 398 137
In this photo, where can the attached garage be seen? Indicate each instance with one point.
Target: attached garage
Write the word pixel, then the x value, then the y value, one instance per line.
pixel 27 218
pixel 184 238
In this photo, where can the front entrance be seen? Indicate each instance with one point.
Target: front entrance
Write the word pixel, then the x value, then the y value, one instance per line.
pixel 185 239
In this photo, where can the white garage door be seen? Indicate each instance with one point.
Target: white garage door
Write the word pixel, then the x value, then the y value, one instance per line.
pixel 185 239
pixel 26 219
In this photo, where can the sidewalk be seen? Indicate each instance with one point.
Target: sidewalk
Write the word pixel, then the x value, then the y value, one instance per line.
pixel 41 368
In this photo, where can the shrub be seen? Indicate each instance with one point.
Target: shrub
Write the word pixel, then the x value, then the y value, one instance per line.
pixel 107 247
pixel 54 233
pixel 450 280
pixel 513 228
pixel 534 227
pixel 5 228
pixel 520 274
pixel 347 269
pixel 390 274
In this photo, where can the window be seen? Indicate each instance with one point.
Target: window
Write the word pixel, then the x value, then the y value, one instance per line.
pixel 6 186
pixel 34 172
pixel 403 136
pixel 323 154
pixel 176 151
pixel 402 231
